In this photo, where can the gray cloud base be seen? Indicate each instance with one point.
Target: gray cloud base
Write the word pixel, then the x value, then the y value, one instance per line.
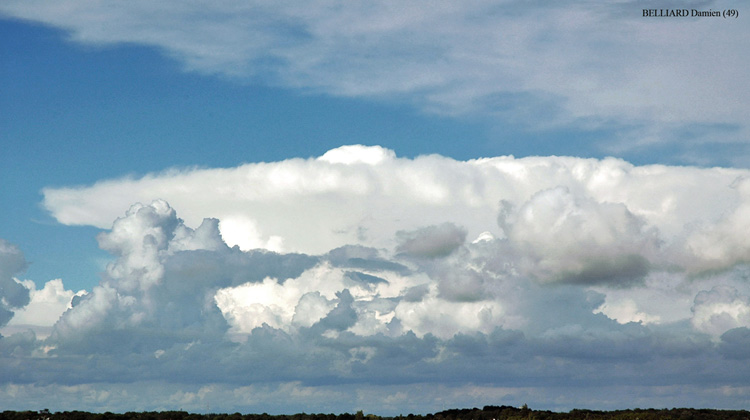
pixel 155 318
pixel 12 294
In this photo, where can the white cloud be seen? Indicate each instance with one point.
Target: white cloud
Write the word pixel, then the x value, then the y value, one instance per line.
pixel 626 310
pixel 571 219
pixel 720 309
pixel 575 239
pixel 304 300
pixel 243 231
pixel 587 64
pixel 664 297
pixel 358 154
pixel 721 242
pixel 376 301
pixel 44 309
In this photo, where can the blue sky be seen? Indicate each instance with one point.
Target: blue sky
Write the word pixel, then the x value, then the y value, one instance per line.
pixel 416 201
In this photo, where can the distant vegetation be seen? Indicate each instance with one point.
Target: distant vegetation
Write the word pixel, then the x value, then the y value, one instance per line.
pixel 489 412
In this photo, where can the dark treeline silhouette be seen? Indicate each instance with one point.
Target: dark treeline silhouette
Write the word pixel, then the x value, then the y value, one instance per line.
pixel 489 412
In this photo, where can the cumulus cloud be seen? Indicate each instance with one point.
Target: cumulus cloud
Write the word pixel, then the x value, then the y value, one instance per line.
pixel 576 239
pixel 168 277
pixel 584 64
pixel 720 309
pixel 431 241
pixel 45 307
pixel 13 294
pixel 721 242
pixel 164 281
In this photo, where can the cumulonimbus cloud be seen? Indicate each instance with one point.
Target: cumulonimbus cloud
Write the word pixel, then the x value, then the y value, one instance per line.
pixel 384 240
pixel 572 218
pixel 179 306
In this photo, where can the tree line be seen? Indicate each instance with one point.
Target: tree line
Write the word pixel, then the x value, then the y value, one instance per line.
pixel 489 412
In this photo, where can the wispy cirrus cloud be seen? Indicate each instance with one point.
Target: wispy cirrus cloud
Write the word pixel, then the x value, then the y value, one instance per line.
pixel 588 65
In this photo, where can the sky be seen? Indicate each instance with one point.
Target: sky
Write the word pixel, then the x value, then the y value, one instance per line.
pixel 393 206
